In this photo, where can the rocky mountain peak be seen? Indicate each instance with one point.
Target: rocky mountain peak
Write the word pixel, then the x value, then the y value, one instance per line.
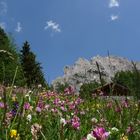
pixel 86 71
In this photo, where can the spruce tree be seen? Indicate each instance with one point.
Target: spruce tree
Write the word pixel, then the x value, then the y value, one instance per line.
pixel 32 69
pixel 9 61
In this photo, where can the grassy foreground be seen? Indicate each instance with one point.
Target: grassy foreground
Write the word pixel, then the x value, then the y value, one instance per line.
pixel 65 116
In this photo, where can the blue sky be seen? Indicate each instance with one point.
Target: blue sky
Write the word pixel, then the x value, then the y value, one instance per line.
pixel 61 31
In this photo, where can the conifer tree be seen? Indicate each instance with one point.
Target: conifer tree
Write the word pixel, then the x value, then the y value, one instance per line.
pixel 32 69
pixel 9 61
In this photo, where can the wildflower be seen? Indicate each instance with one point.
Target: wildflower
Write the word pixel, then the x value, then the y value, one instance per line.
pixel 98 105
pixel 72 106
pixel 8 118
pixel 31 108
pixel 94 120
pixel 1 105
pixel 114 129
pixel 78 101
pixel 14 98
pixel 27 106
pixel 39 86
pixel 75 122
pixel 13 133
pixel 125 104
pixel 18 137
pixel 63 121
pixel 69 90
pixel 124 137
pixel 90 137
pixel 54 110
pixel 38 109
pixel 15 108
pixel 82 112
pixel 47 106
pixel 63 108
pixel 29 117
pixel 130 129
pixel 100 133
pixel 35 128
pixel 109 104
pixel 56 101
pixel 118 109
pixel 28 96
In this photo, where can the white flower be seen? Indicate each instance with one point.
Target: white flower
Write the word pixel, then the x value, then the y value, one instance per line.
pixel 114 129
pixel 39 86
pixel 28 96
pixel 29 91
pixel 63 121
pixel 29 117
pixel 94 120
pixel 90 137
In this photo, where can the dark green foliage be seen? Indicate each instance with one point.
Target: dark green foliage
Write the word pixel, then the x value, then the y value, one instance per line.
pixel 9 61
pixel 61 87
pixel 32 69
pixel 130 79
pixel 86 90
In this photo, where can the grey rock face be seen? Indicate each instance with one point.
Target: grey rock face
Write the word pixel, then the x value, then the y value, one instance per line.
pixel 85 71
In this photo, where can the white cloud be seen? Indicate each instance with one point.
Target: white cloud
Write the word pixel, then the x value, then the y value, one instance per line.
pixel 113 3
pixel 3 25
pixel 54 26
pixel 18 27
pixel 3 8
pixel 114 17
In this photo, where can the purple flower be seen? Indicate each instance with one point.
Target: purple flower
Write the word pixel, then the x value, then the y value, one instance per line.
pixel 15 108
pixel 56 101
pixel 75 122
pixel 1 105
pixel 100 133
pixel 27 106
pixel 70 90
pixel 125 104
pixel 38 109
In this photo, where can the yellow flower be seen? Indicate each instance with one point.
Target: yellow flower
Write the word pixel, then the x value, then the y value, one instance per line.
pixel 14 98
pixel 13 133
pixel 98 105
pixel 124 137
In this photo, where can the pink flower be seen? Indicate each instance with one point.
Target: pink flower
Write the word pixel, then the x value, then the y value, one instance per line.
pixel 38 109
pixel 56 101
pixel 69 90
pixel 71 106
pixel 63 108
pixel 40 104
pixel 118 109
pixel 109 105
pixel 54 110
pixel 27 106
pixel 125 104
pixel 100 133
pixel 1 105
pixel 78 101
pixel 75 122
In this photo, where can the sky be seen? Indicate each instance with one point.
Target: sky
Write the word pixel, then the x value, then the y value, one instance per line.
pixel 61 31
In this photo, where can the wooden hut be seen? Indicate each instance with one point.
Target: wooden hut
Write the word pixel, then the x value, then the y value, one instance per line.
pixel 112 89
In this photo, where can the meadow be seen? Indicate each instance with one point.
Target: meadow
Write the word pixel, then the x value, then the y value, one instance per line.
pixel 47 115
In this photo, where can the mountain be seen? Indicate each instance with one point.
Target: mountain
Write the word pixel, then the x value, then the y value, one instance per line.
pixel 86 71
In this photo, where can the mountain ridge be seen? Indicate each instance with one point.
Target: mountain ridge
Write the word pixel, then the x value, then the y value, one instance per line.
pixel 86 71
